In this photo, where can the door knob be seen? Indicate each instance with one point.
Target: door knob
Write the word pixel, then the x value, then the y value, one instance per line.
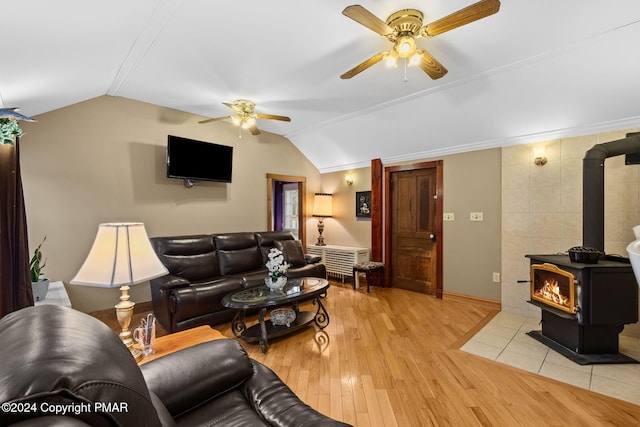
pixel 432 236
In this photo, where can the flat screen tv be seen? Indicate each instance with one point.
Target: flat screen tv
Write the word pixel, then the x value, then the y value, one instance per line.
pixel 194 161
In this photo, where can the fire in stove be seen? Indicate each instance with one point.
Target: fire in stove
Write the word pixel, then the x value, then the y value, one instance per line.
pixel 554 287
pixel 550 291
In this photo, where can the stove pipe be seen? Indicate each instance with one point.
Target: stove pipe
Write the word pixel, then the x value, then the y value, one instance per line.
pixel 593 187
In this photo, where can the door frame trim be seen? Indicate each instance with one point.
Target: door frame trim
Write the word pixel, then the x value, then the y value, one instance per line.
pixel 302 187
pixel 388 174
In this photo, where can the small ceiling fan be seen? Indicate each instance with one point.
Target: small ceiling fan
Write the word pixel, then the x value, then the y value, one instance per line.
pixel 403 27
pixel 245 115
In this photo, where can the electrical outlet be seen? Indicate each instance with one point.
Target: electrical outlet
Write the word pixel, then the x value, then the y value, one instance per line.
pixel 476 216
pixel 496 277
pixel 448 216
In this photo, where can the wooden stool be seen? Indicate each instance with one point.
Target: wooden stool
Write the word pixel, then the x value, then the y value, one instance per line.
pixel 368 268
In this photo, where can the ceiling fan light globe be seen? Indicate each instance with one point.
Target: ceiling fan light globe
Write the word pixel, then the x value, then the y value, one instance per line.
pixel 415 59
pixel 390 58
pixel 236 120
pixel 406 46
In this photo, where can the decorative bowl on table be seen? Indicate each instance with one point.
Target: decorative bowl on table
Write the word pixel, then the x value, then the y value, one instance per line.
pixel 282 317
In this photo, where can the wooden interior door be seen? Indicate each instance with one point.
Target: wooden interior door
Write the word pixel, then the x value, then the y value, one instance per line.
pixel 414 230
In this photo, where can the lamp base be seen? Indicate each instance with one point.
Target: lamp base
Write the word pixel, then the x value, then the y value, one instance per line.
pixel 125 336
pixel 124 313
pixel 320 241
pixel 136 353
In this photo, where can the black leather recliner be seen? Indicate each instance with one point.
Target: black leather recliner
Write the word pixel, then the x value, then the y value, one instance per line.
pixel 61 367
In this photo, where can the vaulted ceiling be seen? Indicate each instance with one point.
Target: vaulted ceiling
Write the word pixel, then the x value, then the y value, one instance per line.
pixel 536 70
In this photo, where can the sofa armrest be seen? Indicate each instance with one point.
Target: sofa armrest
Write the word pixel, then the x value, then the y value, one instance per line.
pixel 278 404
pixel 312 259
pixel 171 281
pixel 161 288
pixel 187 378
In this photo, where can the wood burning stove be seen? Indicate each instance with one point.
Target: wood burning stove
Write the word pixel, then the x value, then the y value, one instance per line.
pixel 584 306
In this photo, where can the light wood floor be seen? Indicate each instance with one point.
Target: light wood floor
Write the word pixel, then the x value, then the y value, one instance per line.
pixel 392 358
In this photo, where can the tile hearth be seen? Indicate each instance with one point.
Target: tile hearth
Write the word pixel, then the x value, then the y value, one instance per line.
pixel 504 340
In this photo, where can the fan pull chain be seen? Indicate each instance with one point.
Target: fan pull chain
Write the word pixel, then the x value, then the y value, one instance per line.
pixel 406 62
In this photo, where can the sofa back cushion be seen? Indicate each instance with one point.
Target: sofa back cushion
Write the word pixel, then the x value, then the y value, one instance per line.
pixel 191 257
pixel 291 251
pixel 237 253
pixel 267 239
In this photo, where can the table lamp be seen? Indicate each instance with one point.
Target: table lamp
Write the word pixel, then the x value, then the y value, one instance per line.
pixel 121 256
pixel 322 208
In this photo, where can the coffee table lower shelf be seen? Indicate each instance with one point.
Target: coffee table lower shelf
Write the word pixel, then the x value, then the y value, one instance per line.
pixel 253 334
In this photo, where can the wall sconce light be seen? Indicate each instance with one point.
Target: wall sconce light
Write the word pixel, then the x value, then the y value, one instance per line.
pixel 540 159
pixel 348 179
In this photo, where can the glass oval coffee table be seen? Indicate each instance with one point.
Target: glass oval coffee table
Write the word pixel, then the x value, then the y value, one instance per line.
pixel 261 298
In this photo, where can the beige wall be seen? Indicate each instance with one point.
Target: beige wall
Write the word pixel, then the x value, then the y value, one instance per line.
pixel 344 228
pixel 542 208
pixel 471 249
pixel 103 160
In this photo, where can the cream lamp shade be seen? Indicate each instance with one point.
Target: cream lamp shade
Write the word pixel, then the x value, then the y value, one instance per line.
pixel 121 255
pixel 322 205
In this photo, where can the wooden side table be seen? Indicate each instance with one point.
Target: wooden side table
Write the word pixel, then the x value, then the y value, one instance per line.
pixel 168 344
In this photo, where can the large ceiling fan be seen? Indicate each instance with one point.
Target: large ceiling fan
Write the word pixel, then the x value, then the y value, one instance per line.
pixel 403 27
pixel 245 115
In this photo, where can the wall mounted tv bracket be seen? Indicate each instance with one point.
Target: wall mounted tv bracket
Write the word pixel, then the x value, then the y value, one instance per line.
pixel 188 182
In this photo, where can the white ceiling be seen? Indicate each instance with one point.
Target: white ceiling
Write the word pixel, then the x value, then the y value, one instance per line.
pixel 536 70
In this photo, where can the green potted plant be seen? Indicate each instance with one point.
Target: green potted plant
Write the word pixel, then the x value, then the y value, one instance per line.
pixel 39 283
pixel 9 129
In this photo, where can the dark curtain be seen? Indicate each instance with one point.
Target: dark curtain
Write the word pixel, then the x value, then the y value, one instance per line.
pixel 15 282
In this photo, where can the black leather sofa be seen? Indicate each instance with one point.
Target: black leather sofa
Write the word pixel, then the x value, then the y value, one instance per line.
pixel 204 268
pixel 61 367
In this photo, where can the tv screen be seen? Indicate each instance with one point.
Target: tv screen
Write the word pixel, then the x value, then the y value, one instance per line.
pixel 198 160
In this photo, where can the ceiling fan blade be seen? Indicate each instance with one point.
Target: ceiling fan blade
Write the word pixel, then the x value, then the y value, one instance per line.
pixel 273 117
pixel 363 17
pixel 462 17
pixel 214 119
pixel 363 66
pixel 12 113
pixel 431 66
pixel 254 130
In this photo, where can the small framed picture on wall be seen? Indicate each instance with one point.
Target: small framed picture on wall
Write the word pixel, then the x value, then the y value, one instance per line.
pixel 363 204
